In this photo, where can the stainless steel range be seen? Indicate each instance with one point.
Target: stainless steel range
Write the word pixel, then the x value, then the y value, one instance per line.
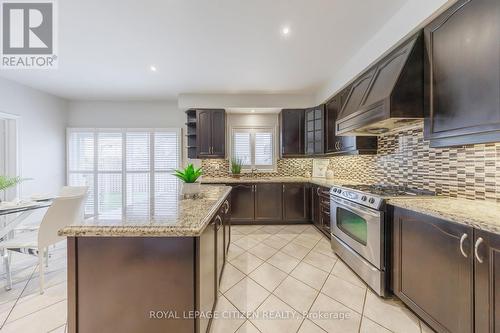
pixel 358 228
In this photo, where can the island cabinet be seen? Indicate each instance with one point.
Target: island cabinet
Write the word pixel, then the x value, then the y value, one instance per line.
pixel 487 281
pixel 462 74
pixel 448 273
pixel 147 277
pixel 270 203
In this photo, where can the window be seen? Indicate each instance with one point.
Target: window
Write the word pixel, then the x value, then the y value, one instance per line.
pixel 255 147
pixel 9 164
pixel 128 171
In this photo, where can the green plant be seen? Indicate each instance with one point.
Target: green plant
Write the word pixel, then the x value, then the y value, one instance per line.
pixel 189 175
pixel 6 182
pixel 236 164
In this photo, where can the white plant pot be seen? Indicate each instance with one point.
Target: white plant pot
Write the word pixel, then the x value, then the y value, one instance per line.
pixel 191 189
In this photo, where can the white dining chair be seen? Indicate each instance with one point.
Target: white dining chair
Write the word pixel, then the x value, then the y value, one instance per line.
pixel 65 210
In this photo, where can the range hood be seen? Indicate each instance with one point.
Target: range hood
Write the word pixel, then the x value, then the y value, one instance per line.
pixel 388 95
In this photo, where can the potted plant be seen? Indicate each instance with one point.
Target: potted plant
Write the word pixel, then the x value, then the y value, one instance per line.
pixel 7 182
pixel 236 164
pixel 189 177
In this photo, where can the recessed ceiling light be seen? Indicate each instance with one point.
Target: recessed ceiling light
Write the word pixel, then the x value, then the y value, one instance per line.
pixel 285 31
pixel 152 68
pixel 253 111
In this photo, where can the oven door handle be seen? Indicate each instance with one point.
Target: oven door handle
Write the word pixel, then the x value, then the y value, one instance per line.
pixel 361 210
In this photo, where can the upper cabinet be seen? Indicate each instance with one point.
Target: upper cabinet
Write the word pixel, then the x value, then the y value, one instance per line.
pixel 314 129
pixel 206 133
pixel 462 74
pixel 292 133
pixel 340 145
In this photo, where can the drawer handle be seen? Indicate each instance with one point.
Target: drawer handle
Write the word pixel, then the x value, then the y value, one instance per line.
pixel 462 239
pixel 226 203
pixel 218 222
pixel 476 248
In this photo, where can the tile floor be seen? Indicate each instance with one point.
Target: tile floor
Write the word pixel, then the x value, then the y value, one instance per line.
pixel 23 309
pixel 277 279
pixel 287 279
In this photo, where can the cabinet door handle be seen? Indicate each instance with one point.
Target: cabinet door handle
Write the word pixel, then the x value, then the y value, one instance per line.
pixel 476 248
pixel 227 207
pixel 462 239
pixel 317 191
pixel 218 222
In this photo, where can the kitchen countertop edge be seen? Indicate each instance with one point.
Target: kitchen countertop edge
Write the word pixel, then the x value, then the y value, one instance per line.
pixel 145 231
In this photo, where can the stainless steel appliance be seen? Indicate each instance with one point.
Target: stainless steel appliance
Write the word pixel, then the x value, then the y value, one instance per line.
pixel 358 228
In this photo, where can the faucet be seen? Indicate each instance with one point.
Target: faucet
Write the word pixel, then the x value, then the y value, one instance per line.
pixel 253 171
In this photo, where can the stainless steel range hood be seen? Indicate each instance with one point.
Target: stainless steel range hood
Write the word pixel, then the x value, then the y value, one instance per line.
pixel 388 95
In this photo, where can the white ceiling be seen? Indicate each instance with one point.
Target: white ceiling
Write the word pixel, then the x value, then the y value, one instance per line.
pixel 199 46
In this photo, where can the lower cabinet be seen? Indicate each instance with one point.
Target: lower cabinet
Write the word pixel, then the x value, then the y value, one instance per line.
pixel 320 206
pixel 448 273
pixel 207 275
pixel 242 203
pixel 226 207
pixel 296 204
pixel 270 203
pixel 487 281
pixel 315 210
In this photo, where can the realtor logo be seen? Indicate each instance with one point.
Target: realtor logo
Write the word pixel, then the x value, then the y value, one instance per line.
pixel 28 32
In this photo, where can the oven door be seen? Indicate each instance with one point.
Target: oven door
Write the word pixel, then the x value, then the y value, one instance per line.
pixel 359 227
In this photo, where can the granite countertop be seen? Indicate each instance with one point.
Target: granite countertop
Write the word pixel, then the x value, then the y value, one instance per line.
pixel 480 214
pixel 179 217
pixel 313 180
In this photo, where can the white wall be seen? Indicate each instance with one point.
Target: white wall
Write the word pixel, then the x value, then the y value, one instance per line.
pixel 159 114
pixel 42 125
pixel 408 20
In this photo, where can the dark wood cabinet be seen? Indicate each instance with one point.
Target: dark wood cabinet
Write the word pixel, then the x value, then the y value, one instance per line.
pixel 292 133
pixel 343 145
pixel 433 269
pixel 487 281
pixel 211 133
pixel 296 206
pixel 320 208
pixel 242 203
pixel 314 130
pixel 226 219
pixel 462 74
pixel 268 202
pixel 315 208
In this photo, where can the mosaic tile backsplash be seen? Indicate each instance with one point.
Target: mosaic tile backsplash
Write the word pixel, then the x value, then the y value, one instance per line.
pixel 405 158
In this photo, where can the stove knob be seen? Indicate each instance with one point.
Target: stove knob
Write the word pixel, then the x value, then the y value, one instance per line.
pixel 339 191
pixel 363 198
pixel 371 200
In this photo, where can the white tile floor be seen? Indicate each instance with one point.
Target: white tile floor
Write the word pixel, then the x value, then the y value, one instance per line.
pixel 23 309
pixel 285 271
pixel 292 269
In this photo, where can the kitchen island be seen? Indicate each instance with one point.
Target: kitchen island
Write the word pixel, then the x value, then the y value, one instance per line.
pixel 158 273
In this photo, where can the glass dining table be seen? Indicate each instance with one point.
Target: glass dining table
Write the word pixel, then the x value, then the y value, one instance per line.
pixel 23 211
